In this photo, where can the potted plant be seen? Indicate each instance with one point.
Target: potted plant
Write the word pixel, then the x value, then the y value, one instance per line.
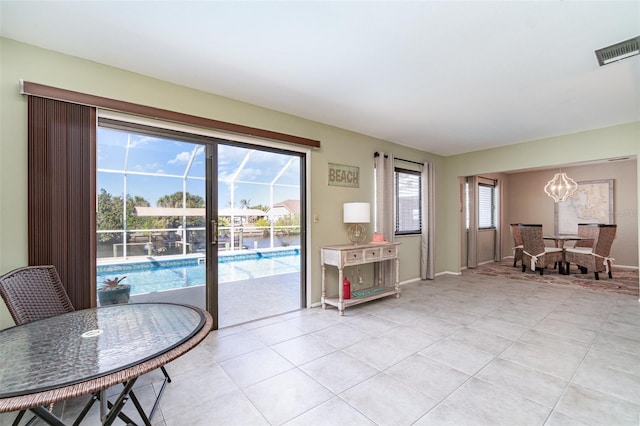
pixel 113 292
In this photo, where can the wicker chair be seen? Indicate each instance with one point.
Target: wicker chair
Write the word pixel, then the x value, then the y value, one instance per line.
pixel 594 259
pixel 517 241
pixel 34 292
pixel 534 253
pixel 586 230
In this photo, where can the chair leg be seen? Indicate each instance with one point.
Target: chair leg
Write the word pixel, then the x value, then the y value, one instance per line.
pixel 523 267
pixel 610 274
pixel 514 262
pixel 597 275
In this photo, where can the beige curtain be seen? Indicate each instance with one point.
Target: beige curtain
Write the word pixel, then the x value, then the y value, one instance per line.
pixel 500 208
pixel 472 232
pixel 384 209
pixel 427 267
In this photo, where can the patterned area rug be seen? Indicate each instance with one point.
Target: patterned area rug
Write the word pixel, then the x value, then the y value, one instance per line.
pixel 624 280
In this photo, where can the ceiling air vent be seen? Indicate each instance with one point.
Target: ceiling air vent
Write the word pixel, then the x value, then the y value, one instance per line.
pixel 618 51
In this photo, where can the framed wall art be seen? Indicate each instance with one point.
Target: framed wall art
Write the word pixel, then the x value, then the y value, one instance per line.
pixel 591 203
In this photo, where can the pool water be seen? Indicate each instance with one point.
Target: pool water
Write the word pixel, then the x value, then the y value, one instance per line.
pixel 148 277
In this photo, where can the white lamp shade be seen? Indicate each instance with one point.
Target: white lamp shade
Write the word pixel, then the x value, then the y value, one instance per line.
pixel 357 213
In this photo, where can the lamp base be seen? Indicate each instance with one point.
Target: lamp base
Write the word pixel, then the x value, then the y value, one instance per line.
pixel 357 233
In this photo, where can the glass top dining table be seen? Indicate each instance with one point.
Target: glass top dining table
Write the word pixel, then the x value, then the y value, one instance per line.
pixel 559 240
pixel 86 351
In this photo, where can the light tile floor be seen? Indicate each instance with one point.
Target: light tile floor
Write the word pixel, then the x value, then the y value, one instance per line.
pixel 459 350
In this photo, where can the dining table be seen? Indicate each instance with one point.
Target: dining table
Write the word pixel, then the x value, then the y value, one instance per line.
pixel 560 240
pixel 88 351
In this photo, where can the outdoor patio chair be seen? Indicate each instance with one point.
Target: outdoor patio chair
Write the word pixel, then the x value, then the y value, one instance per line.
pixel 517 241
pixel 534 253
pixel 32 293
pixel 594 259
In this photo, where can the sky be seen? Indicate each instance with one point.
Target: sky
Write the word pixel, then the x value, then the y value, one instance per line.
pixel 158 166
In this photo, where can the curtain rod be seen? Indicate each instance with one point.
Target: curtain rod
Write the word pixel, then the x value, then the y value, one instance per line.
pixel 377 154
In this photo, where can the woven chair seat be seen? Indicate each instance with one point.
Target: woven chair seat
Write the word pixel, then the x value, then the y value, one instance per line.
pixel 579 250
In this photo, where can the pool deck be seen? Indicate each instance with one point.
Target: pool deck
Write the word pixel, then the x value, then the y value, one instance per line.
pixel 240 301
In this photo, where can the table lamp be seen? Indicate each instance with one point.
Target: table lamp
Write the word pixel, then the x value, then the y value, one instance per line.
pixel 356 214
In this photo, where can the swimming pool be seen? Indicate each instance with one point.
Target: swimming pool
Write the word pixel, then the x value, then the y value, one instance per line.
pixel 159 275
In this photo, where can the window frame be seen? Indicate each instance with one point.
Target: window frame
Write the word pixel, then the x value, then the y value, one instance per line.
pixel 396 172
pixel 492 188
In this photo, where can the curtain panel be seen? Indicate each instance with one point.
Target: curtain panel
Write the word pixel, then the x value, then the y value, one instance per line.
pixel 472 231
pixel 427 238
pixel 384 209
pixel 500 213
pixel 61 194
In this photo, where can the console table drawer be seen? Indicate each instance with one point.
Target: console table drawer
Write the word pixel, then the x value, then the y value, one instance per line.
pixel 352 256
pixel 390 252
pixel 373 254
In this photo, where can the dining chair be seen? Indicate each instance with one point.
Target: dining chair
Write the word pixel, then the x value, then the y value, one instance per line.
pixel 597 258
pixel 534 252
pixel 517 241
pixel 588 231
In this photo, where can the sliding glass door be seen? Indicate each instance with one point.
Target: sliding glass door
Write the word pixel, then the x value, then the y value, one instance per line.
pixel 260 232
pixel 198 220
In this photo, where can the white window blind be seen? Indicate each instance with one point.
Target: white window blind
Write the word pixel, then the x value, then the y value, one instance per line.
pixel 486 206
pixel 408 205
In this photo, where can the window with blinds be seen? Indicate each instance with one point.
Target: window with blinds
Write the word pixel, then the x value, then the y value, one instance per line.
pixel 486 206
pixel 408 202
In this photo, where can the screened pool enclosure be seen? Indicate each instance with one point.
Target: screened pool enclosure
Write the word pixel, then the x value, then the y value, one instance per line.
pixel 151 197
pixel 156 190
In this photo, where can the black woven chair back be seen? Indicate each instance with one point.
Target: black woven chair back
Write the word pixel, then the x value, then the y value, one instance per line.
pixel 34 292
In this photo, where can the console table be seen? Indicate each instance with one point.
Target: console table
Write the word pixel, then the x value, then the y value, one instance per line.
pixel 342 256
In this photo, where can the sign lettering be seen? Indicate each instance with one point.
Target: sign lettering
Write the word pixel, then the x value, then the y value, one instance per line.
pixel 341 175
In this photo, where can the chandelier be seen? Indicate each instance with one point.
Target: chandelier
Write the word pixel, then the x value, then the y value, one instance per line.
pixel 560 187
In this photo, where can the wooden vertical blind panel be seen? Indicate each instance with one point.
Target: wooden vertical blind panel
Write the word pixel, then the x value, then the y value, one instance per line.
pixel 61 194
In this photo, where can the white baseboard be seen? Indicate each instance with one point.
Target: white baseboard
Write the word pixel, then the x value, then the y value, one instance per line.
pixel 625 266
pixel 449 273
